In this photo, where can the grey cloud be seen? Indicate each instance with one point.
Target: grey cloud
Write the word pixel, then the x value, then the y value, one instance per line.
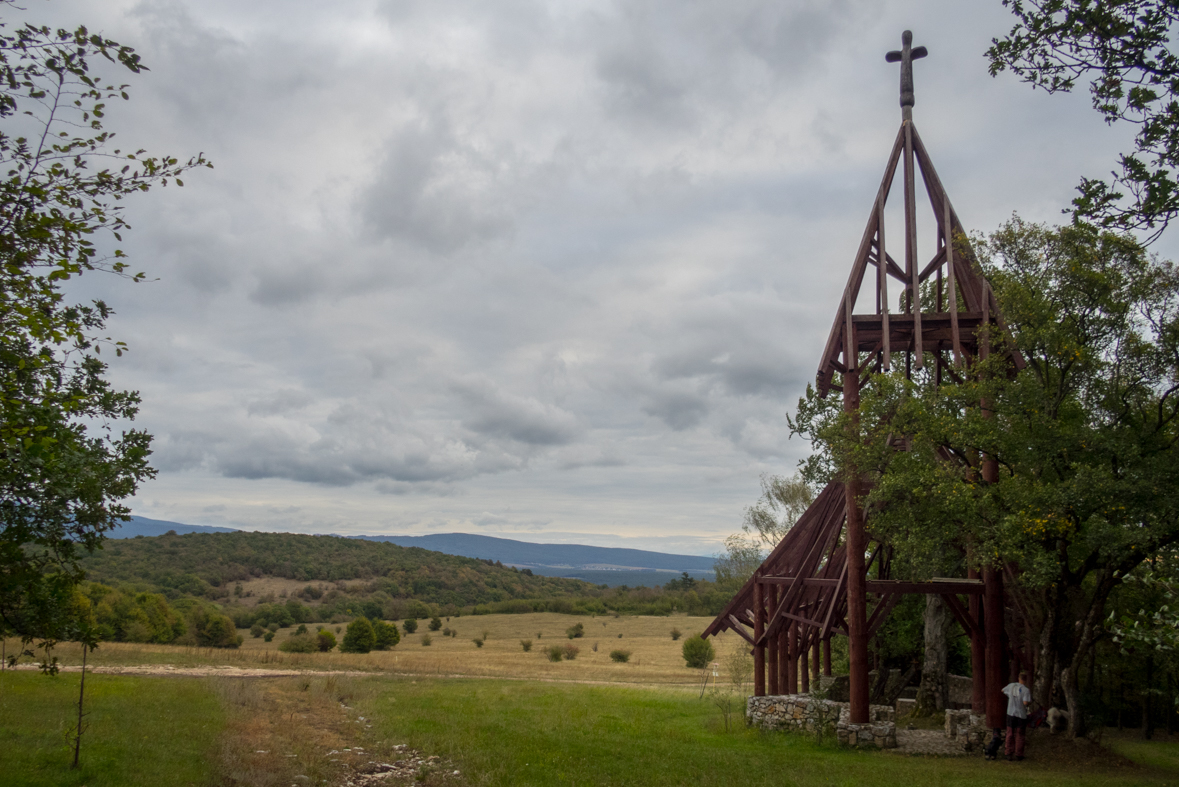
pixel 492 412
pixel 280 402
pixel 680 410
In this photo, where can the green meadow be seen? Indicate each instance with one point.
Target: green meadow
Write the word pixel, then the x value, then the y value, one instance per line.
pixel 267 731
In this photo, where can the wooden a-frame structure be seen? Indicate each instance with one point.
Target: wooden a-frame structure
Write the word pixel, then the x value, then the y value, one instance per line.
pixel 814 584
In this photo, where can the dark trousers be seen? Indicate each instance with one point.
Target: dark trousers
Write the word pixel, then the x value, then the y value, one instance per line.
pixel 1016 735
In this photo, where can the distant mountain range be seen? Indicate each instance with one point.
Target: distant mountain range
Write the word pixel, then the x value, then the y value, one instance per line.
pixel 599 565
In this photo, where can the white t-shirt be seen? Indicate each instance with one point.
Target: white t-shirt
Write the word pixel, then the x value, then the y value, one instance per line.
pixel 1017 695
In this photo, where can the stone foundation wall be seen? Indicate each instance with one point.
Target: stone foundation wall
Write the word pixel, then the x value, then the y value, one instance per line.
pixel 968 728
pixel 803 713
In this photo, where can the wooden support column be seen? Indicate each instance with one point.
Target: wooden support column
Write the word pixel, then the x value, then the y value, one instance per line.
pixel 804 671
pixel 759 650
pixel 996 703
pixel 792 659
pixel 774 688
pixel 783 657
pixel 857 597
pixel 815 659
pixel 827 657
pixel 978 654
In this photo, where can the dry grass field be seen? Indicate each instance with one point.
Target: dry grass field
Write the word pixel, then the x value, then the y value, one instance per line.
pixel 655 659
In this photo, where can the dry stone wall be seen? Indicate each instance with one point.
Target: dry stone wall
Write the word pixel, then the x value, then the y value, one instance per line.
pixel 804 713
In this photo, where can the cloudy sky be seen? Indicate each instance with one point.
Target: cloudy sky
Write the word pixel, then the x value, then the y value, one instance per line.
pixel 554 271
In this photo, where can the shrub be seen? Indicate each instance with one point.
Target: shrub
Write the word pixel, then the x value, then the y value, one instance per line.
pixel 526 644
pixel 410 625
pixel 538 635
pixel 594 648
pixel 302 629
pixel 256 630
pixel 676 634
pixel 427 641
pixel 325 640
pixel 698 652
pixel 555 653
pixel 386 635
pixel 360 637
pixel 300 643
pixel 620 656
pixel 268 636
pixel 620 635
pixel 570 652
pixel 478 642
pixel 435 623
pixel 575 631
pixel 272 627
pixel 486 635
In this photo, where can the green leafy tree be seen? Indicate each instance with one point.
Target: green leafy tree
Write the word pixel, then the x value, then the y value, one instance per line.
pixel 325 640
pixel 1086 438
pixel 360 637
pixel 61 187
pixel 1125 51
pixel 386 635
pixel 698 652
pixel 410 625
pixel 435 623
pixel 783 500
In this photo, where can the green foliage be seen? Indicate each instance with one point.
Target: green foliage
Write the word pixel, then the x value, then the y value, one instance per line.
pixel 268 636
pixel 782 502
pixel 697 652
pixel 526 645
pixel 300 643
pixel 410 625
pixel 435 623
pixel 61 482
pixel 359 638
pixel 427 640
pixel 386 635
pixel 676 634
pixel 325 640
pixel 575 631
pixel 256 630
pixel 555 653
pixel 620 656
pixel 1126 53
pixel 478 642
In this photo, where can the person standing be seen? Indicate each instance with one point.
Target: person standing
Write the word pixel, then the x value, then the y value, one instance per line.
pixel 1019 697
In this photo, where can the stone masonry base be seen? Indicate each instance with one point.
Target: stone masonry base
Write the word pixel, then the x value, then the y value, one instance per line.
pixel 803 713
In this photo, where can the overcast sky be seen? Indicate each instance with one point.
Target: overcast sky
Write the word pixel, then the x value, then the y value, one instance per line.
pixel 554 271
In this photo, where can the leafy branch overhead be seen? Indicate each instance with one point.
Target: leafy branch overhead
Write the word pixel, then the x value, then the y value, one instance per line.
pixel 1124 51
pixel 63 469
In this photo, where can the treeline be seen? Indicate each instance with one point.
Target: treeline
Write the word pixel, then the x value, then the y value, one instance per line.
pixel 398 582
pixel 119 615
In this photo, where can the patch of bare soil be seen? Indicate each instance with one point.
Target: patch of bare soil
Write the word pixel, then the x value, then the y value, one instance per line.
pixel 302 731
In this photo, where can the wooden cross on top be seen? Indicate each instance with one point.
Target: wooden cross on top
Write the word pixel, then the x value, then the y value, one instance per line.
pixel 905 56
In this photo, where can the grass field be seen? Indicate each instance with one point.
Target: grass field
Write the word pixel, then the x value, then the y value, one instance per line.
pixel 139 731
pixel 655 657
pixel 508 718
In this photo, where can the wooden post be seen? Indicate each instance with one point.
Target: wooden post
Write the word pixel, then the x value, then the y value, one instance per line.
pixel 911 267
pixel 827 657
pixel 783 654
pixel 759 650
pixel 857 597
pixel 815 659
pixel 978 654
pixel 996 703
pixel 775 687
pixel 804 671
pixel 792 659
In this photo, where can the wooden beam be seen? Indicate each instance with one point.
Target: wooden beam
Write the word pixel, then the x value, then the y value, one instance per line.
pixel 937 587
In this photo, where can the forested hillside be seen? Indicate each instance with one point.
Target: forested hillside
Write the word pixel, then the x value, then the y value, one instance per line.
pixel 201 564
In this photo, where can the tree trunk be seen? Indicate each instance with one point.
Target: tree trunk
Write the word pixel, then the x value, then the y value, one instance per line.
pixel 934 692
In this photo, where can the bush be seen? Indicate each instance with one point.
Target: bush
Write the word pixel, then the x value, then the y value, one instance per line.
pixel 325 640
pixel 302 629
pixel 478 642
pixel 526 644
pixel 575 631
pixel 268 636
pixel 676 634
pixel 410 625
pixel 256 630
pixel 594 648
pixel 446 631
pixel 427 641
pixel 360 637
pixel 570 652
pixel 386 635
pixel 435 623
pixel 555 653
pixel 300 643
pixel 620 656
pixel 698 652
